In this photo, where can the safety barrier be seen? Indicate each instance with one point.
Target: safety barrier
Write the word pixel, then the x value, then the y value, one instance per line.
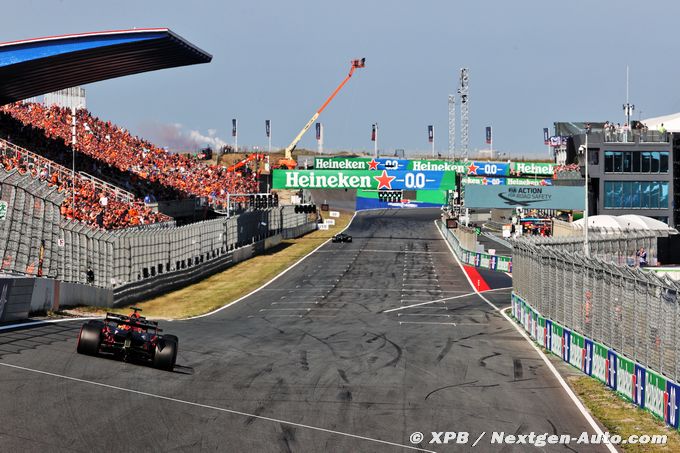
pixel 36 241
pixel 636 383
pixel 481 260
pixel 627 308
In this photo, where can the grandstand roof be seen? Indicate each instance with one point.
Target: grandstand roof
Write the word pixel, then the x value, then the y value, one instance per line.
pixel 37 66
pixel 623 222
pixel 670 122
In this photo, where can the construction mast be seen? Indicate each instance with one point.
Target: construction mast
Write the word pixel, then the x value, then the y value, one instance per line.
pixel 452 126
pixel 464 113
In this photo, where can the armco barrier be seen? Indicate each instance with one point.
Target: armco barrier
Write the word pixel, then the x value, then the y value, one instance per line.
pixel 631 380
pixel 481 260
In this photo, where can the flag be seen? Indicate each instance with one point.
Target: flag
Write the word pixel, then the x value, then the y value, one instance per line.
pixel 267 128
pixel 430 133
pixel 546 136
pixel 373 133
pixel 233 127
pixel 318 132
pixel 488 135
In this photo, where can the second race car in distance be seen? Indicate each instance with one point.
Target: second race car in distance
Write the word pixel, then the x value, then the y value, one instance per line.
pixel 342 237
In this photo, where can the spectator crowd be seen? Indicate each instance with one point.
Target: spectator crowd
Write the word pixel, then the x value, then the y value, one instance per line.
pixel 94 205
pixel 113 154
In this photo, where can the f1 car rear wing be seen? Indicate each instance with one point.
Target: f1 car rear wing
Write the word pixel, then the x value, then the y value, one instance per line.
pixel 141 323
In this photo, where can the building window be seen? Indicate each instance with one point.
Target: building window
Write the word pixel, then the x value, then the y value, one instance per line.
pixel 636 194
pixel 627 161
pixel 636 161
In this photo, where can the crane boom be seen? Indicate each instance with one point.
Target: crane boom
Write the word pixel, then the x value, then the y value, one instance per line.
pixel 360 63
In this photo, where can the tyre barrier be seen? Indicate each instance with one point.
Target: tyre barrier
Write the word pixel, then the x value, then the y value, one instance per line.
pixel 634 382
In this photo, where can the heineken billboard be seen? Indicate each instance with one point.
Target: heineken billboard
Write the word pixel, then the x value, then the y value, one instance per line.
pixel 363 179
pixel 484 181
pixel 473 168
pixel 532 197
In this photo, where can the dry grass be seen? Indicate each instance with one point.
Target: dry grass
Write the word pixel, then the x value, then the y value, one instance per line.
pixel 227 286
pixel 622 417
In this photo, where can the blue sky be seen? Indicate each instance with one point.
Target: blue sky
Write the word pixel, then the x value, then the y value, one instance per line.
pixel 531 63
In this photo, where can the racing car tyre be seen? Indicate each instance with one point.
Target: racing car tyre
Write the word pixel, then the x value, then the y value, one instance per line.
pixel 166 354
pixel 89 338
pixel 173 338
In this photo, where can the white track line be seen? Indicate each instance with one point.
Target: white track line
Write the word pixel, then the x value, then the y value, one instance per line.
pixel 273 279
pixel 443 300
pixel 429 323
pixel 215 408
pixel 47 321
pixel 577 402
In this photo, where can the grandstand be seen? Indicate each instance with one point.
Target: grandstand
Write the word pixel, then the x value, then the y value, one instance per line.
pixel 114 155
pixel 82 205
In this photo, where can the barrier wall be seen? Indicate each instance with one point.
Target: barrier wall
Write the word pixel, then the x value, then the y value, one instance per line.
pixel 36 241
pixel 481 260
pixel 162 283
pixel 631 380
pixel 15 298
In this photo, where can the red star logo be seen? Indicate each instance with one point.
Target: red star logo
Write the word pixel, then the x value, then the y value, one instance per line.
pixel 472 169
pixel 384 181
pixel 543 182
pixel 485 182
pixel 373 164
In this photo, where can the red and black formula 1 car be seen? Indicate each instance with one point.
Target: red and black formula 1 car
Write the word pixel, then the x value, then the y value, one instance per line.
pixel 129 337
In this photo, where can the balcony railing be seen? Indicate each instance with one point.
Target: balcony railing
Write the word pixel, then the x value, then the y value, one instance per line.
pixel 634 136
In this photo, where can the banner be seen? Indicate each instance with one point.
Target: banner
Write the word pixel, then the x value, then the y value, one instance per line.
pixel 430 133
pixel 483 181
pixel 363 179
pixel 470 168
pixel 546 136
pixel 233 127
pixel 558 141
pixel 367 199
pixel 267 128
pixel 530 197
pixel 318 132
pixel 488 135
pixel 373 133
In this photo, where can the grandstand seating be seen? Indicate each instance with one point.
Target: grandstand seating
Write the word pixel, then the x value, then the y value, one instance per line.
pixel 145 164
pixel 96 204
pixel 108 158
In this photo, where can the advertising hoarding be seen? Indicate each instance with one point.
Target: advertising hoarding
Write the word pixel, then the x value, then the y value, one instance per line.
pixel 363 179
pixel 530 197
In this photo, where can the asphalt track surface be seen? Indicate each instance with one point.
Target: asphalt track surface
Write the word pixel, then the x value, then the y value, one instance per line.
pixel 330 357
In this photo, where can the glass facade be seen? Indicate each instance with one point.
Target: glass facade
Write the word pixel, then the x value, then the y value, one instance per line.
pixel 636 161
pixel 636 194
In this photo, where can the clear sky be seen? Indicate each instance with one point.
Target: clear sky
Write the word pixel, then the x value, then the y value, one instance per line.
pixel 531 63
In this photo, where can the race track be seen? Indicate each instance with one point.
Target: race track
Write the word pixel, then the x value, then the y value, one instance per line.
pixel 341 354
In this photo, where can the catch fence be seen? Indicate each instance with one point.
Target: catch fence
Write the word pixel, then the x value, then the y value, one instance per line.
pixel 605 297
